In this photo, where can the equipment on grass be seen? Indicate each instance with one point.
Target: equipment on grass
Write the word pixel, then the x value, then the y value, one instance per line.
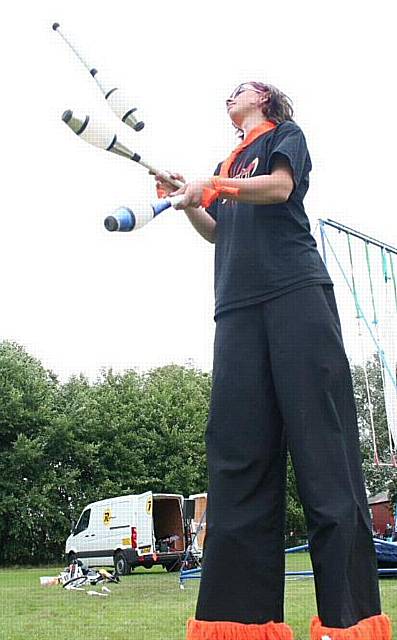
pixel 78 575
pixel 119 102
pixel 191 563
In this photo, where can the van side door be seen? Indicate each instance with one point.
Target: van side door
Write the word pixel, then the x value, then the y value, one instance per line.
pixel 81 534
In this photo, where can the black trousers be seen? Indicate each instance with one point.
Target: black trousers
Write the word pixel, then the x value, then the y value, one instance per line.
pixel 281 378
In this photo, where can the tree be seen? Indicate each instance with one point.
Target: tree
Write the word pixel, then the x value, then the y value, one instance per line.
pixel 172 424
pixel 28 403
pixel 27 393
pixel 296 529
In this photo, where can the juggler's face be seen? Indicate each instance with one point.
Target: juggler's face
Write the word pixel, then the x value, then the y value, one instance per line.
pixel 243 102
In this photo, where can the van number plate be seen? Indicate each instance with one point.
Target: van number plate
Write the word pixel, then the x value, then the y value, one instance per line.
pixel 145 549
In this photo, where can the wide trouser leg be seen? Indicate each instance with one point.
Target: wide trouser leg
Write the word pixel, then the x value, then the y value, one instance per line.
pixel 314 391
pixel 243 566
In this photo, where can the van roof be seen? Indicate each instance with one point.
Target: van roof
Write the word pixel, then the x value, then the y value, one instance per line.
pixel 160 496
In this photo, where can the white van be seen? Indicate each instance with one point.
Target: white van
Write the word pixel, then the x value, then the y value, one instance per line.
pixel 130 531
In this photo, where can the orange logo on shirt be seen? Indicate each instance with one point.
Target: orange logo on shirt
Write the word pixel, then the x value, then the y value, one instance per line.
pixel 245 172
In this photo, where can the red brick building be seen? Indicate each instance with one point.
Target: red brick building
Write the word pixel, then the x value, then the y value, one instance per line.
pixel 382 512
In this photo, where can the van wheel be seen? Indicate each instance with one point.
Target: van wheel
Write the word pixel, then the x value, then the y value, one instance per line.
pixel 122 567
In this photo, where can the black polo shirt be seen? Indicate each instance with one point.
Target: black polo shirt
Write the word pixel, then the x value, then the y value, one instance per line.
pixel 263 251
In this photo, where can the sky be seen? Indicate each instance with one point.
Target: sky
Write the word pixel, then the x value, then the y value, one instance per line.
pixel 82 299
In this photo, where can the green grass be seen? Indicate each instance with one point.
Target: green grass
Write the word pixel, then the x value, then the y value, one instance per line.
pixel 148 605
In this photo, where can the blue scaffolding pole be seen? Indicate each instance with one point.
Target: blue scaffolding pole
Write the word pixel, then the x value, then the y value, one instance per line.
pixel 188 574
pixel 195 574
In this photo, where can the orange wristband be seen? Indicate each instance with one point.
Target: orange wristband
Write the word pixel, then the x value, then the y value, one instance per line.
pixel 211 194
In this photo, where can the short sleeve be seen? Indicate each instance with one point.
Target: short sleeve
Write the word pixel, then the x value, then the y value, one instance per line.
pixel 290 142
pixel 213 208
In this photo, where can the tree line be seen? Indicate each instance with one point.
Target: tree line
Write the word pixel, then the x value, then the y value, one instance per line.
pixel 63 445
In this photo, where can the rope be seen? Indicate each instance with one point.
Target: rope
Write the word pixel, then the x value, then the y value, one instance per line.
pixel 389 402
pixel 375 320
pixel 370 407
pixel 358 310
pixel 322 234
pixel 393 277
pixel 384 265
pixel 364 362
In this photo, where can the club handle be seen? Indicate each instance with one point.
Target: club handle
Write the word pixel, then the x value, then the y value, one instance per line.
pixel 166 176
pixel 163 174
pixel 165 203
pixel 76 50
pixel 174 200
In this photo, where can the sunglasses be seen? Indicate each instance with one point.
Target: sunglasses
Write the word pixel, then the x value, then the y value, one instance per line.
pixel 246 86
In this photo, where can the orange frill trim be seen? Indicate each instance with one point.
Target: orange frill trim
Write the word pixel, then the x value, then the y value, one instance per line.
pixel 373 628
pixel 203 630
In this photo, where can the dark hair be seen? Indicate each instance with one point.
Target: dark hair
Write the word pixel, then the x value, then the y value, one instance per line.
pixel 278 107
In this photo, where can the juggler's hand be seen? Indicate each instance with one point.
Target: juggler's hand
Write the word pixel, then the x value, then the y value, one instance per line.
pixel 163 187
pixel 193 192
